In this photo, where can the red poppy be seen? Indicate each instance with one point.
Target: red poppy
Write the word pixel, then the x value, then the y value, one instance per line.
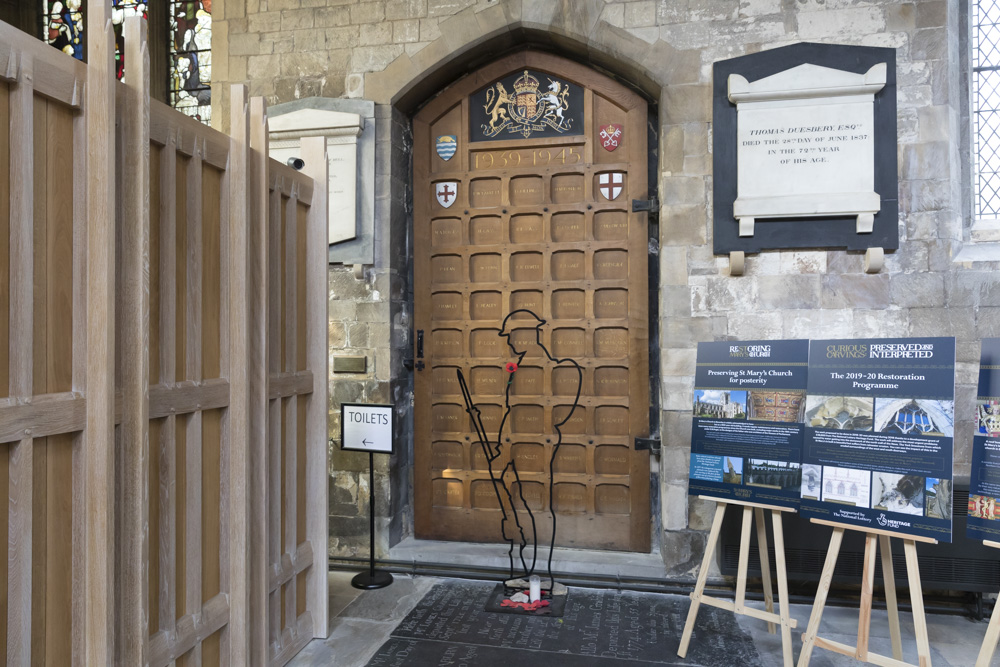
pixel 511 366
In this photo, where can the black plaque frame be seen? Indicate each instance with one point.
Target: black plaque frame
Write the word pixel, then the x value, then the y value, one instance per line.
pixel 804 232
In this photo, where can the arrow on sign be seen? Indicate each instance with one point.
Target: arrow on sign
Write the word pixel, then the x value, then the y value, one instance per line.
pixel 365 442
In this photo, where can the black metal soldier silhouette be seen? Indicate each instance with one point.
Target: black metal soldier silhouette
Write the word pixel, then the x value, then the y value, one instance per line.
pixel 509 475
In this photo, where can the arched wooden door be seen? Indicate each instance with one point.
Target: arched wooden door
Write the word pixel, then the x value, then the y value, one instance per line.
pixel 524 173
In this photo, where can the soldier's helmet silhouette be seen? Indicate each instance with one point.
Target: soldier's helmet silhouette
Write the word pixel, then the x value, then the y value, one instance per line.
pixel 532 320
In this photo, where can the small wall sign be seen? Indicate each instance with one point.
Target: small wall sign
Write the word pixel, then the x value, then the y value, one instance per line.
pixel 366 427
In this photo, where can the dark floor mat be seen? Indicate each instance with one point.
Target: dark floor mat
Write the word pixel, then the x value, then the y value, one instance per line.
pixel 598 628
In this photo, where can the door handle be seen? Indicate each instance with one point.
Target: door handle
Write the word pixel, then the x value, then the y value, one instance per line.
pixel 420 343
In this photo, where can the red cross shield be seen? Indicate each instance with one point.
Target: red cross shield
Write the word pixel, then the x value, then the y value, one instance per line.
pixel 610 184
pixel 446 192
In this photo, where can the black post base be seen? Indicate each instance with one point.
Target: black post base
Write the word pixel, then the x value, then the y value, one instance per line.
pixel 367 581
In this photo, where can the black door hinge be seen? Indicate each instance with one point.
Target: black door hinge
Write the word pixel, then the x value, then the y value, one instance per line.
pixel 652 445
pixel 651 206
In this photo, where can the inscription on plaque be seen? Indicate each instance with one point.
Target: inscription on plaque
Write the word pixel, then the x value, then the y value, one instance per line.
pixel 532 492
pixel 611 381
pixel 479 461
pixel 527 381
pixel 446 305
pixel 611 342
pixel 528 299
pixel 526 267
pixel 447 417
pixel 526 228
pixel 612 499
pixel 567 188
pixel 530 456
pixel 446 269
pixel 491 415
pixel 484 343
pixel 565 380
pixel 571 459
pixel 568 265
pixel 444 381
pixel 527 157
pixel 447 455
pixel 610 265
pixel 484 305
pixel 611 420
pixel 568 497
pixel 611 460
pixel 487 380
pixel 527 418
pixel 484 192
pixel 568 304
pixel 484 268
pixel 447 493
pixel 611 303
pixel 569 342
pixel 526 190
pixel 484 496
pixel 446 232
pixel 524 339
pixel 577 423
pixel 485 230
pixel 447 342
pixel 610 226
pixel 568 227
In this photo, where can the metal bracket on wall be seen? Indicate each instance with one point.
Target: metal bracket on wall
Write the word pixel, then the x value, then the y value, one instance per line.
pixel 651 206
pixel 652 445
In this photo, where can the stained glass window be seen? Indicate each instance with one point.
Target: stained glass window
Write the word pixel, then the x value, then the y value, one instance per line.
pixel 191 57
pixel 189 43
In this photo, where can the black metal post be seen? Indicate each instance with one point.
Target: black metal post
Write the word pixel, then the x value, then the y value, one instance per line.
pixel 371 579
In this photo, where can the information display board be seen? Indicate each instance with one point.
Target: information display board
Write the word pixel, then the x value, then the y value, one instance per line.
pixel 984 483
pixel 879 433
pixel 748 407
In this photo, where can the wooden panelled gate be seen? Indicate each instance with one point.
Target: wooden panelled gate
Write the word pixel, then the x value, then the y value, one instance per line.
pixel 163 372
pixel 524 172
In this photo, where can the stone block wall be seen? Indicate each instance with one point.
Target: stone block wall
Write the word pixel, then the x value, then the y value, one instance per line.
pixel 942 281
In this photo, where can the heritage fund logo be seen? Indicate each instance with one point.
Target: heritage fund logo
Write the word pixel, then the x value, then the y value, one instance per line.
pixel 747 351
pixel 881 351
pixel 891 523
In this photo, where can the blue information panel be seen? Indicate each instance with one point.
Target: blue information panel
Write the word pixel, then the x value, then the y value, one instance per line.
pixel 749 402
pixel 984 483
pixel 880 416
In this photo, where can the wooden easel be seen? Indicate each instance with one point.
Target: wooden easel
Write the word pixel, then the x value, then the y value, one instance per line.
pixel 993 630
pixel 861 652
pixel 738 606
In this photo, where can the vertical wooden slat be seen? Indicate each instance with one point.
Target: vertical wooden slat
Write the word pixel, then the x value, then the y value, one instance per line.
pixel 257 267
pixel 276 411
pixel 135 353
pixel 314 154
pixel 236 500
pixel 168 375
pixel 193 371
pixel 98 461
pixel 291 430
pixel 19 555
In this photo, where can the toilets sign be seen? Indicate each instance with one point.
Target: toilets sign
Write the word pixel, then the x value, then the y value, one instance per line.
pixel 366 427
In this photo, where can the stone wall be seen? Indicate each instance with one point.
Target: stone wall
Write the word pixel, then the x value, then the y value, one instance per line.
pixel 941 282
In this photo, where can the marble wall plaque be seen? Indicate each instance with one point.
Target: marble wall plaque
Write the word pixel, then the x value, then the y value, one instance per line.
pixel 806 144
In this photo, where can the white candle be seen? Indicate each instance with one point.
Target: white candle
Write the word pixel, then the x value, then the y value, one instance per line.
pixel 535 588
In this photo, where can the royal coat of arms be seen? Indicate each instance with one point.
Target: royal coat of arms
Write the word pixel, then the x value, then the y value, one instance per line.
pixel 611 136
pixel 530 107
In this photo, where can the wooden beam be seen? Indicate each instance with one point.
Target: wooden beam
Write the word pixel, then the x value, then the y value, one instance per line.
pixel 291 429
pixel 317 360
pixel 51 414
pixel 188 396
pixel 134 432
pixel 283 385
pixel 291 565
pixel 98 513
pixel 165 647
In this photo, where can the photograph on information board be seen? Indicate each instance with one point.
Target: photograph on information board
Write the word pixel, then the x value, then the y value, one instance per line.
pixel 879 434
pixel 748 406
pixel 984 482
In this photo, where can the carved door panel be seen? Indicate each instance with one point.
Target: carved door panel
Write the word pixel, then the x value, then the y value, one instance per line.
pixel 528 206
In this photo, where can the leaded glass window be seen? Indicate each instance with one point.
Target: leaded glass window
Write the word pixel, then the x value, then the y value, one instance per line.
pixel 986 107
pixel 189 42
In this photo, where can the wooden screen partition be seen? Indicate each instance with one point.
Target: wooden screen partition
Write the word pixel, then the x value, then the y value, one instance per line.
pixel 163 396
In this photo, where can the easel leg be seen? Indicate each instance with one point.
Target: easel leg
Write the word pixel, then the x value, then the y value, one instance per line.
pixel 891 605
pixel 867 591
pixel 825 579
pixel 699 588
pixel 779 563
pixel 917 603
pixel 741 572
pixel 765 564
pixel 990 640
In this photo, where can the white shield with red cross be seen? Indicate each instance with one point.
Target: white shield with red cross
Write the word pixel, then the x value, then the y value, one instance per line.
pixel 611 184
pixel 447 192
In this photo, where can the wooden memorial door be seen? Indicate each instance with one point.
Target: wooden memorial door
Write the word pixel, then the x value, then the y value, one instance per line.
pixel 524 173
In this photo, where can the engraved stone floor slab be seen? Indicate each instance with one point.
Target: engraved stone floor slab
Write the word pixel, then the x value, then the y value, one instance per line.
pixel 599 627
